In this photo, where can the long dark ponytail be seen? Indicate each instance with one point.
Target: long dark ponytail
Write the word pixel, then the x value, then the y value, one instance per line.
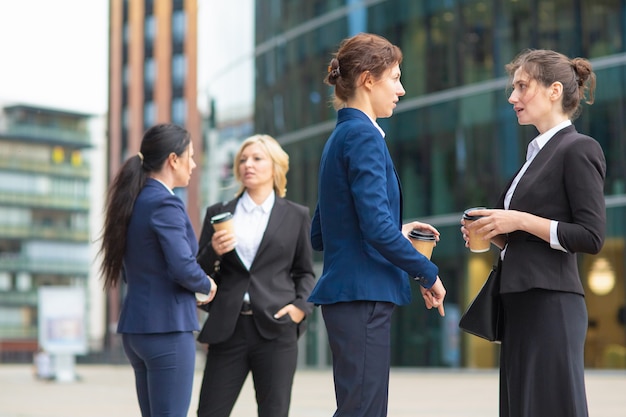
pixel 157 144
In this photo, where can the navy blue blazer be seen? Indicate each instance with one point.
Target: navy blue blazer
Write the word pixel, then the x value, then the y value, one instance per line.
pixel 160 266
pixel 565 182
pixel 358 220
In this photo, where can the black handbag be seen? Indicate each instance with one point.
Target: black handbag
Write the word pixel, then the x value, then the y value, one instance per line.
pixel 484 316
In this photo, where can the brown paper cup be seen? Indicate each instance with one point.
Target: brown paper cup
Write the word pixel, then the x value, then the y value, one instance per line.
pixel 223 221
pixel 476 242
pixel 423 242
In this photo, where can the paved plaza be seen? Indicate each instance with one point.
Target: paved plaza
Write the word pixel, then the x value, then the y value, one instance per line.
pixel 108 390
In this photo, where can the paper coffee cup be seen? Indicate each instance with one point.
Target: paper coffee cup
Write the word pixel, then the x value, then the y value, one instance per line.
pixel 223 221
pixel 202 297
pixel 423 242
pixel 476 242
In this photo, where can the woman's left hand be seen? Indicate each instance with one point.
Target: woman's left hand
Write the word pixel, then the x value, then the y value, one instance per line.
pixel 497 222
pixel 294 312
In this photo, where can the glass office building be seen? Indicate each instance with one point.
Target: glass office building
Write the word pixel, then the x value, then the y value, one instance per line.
pixel 454 138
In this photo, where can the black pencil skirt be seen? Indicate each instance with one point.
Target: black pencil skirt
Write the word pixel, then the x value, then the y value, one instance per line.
pixel 542 355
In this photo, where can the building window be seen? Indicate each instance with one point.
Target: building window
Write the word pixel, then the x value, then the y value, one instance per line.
pixel 178 26
pixel 5 281
pixel 149 29
pixel 23 281
pixel 149 114
pixel 125 118
pixel 126 34
pixel 179 111
pixel 179 69
pixel 125 75
pixel 149 72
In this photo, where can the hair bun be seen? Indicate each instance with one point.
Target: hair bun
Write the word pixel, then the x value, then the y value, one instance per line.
pixel 333 71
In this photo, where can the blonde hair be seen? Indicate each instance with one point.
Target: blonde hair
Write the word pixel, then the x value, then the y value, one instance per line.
pixel 278 156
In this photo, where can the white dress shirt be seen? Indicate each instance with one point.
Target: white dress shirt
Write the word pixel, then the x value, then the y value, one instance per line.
pixel 166 187
pixel 376 125
pixel 534 147
pixel 250 222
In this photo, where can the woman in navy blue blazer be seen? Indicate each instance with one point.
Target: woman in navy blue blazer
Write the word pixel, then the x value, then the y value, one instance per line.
pixel 552 209
pixel 148 240
pixel 358 225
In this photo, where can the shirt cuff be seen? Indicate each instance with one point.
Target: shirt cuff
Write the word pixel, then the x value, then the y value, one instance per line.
pixel 554 237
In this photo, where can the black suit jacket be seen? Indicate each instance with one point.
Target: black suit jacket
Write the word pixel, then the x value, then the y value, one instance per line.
pixel 565 182
pixel 281 273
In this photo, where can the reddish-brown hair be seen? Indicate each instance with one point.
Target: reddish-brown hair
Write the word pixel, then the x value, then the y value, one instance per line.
pixel 356 55
pixel 547 67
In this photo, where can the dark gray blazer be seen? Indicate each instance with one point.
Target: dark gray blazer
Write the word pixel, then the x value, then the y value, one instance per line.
pixel 281 273
pixel 565 182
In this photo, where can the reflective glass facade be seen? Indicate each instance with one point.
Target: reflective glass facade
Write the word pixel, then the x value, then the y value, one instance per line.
pixel 454 138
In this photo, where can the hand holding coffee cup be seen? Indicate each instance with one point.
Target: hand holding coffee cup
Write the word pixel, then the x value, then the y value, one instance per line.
pixel 202 298
pixel 423 241
pixel 477 243
pixel 224 237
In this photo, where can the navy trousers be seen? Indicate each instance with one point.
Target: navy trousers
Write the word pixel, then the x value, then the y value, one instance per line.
pixel 164 369
pixel 359 334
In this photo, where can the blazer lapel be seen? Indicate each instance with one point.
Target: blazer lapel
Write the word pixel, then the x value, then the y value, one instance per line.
pixel 400 191
pixel 273 224
pixel 231 205
pixel 504 191
pixel 538 166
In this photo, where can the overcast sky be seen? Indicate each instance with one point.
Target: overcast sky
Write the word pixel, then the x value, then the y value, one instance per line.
pixel 54 53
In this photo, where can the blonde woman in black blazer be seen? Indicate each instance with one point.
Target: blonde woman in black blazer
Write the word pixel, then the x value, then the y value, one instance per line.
pixel 551 210
pixel 265 277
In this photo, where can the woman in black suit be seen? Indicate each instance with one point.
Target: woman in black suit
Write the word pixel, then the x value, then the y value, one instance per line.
pixel 265 274
pixel 552 209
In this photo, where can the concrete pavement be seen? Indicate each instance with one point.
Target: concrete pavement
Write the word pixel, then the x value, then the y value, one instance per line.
pixel 108 390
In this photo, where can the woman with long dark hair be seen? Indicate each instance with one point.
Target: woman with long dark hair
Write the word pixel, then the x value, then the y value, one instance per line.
pixel 148 242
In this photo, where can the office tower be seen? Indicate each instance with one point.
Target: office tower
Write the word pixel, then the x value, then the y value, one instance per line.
pixel 153 79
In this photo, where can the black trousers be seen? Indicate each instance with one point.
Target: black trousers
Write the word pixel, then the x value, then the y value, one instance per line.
pixel 542 355
pixel 359 334
pixel 272 363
